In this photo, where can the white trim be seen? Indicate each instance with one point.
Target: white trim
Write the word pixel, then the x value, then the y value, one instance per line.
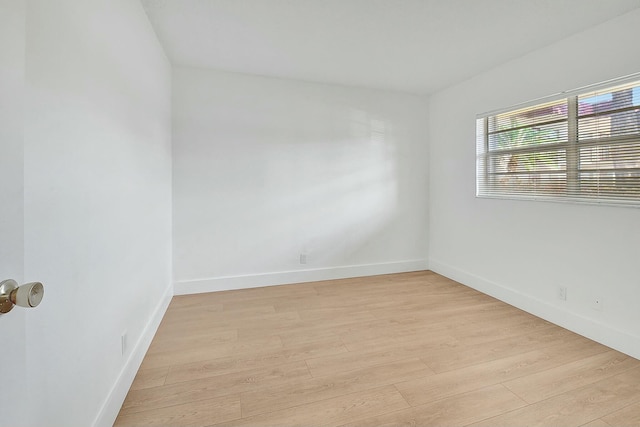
pixel 213 284
pixel 616 203
pixel 592 329
pixel 111 407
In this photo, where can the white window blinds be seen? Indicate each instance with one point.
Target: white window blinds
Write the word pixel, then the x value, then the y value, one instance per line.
pixel 582 147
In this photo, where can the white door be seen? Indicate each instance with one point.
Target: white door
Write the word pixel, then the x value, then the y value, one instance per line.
pixel 13 373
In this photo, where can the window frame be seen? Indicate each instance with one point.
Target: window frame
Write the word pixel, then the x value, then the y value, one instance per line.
pixel 486 186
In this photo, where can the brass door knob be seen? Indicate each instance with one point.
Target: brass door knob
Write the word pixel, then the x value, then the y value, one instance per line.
pixel 27 295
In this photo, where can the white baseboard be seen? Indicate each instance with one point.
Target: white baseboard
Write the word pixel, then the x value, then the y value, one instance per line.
pixel 111 407
pixel 213 284
pixel 592 329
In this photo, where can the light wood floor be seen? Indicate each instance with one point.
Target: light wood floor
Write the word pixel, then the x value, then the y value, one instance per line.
pixel 412 349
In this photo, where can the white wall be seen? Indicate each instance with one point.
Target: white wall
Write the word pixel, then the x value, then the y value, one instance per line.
pixel 266 169
pixel 492 244
pixel 13 392
pixel 97 202
pixel 12 51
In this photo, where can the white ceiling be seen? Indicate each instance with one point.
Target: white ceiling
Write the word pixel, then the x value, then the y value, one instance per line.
pixel 415 46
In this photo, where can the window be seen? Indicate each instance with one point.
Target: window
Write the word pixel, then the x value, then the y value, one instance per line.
pixel 582 147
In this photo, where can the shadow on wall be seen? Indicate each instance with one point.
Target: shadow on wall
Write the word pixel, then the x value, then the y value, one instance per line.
pixel 354 197
pixel 331 200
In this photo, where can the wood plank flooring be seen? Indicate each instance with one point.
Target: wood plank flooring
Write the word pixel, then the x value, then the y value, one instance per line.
pixel 414 349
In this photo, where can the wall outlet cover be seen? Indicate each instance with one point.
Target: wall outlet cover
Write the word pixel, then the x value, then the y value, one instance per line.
pixel 562 293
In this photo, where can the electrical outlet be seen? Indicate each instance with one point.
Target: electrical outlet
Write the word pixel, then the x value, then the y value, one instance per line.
pixel 597 304
pixel 562 293
pixel 123 342
pixel 303 258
